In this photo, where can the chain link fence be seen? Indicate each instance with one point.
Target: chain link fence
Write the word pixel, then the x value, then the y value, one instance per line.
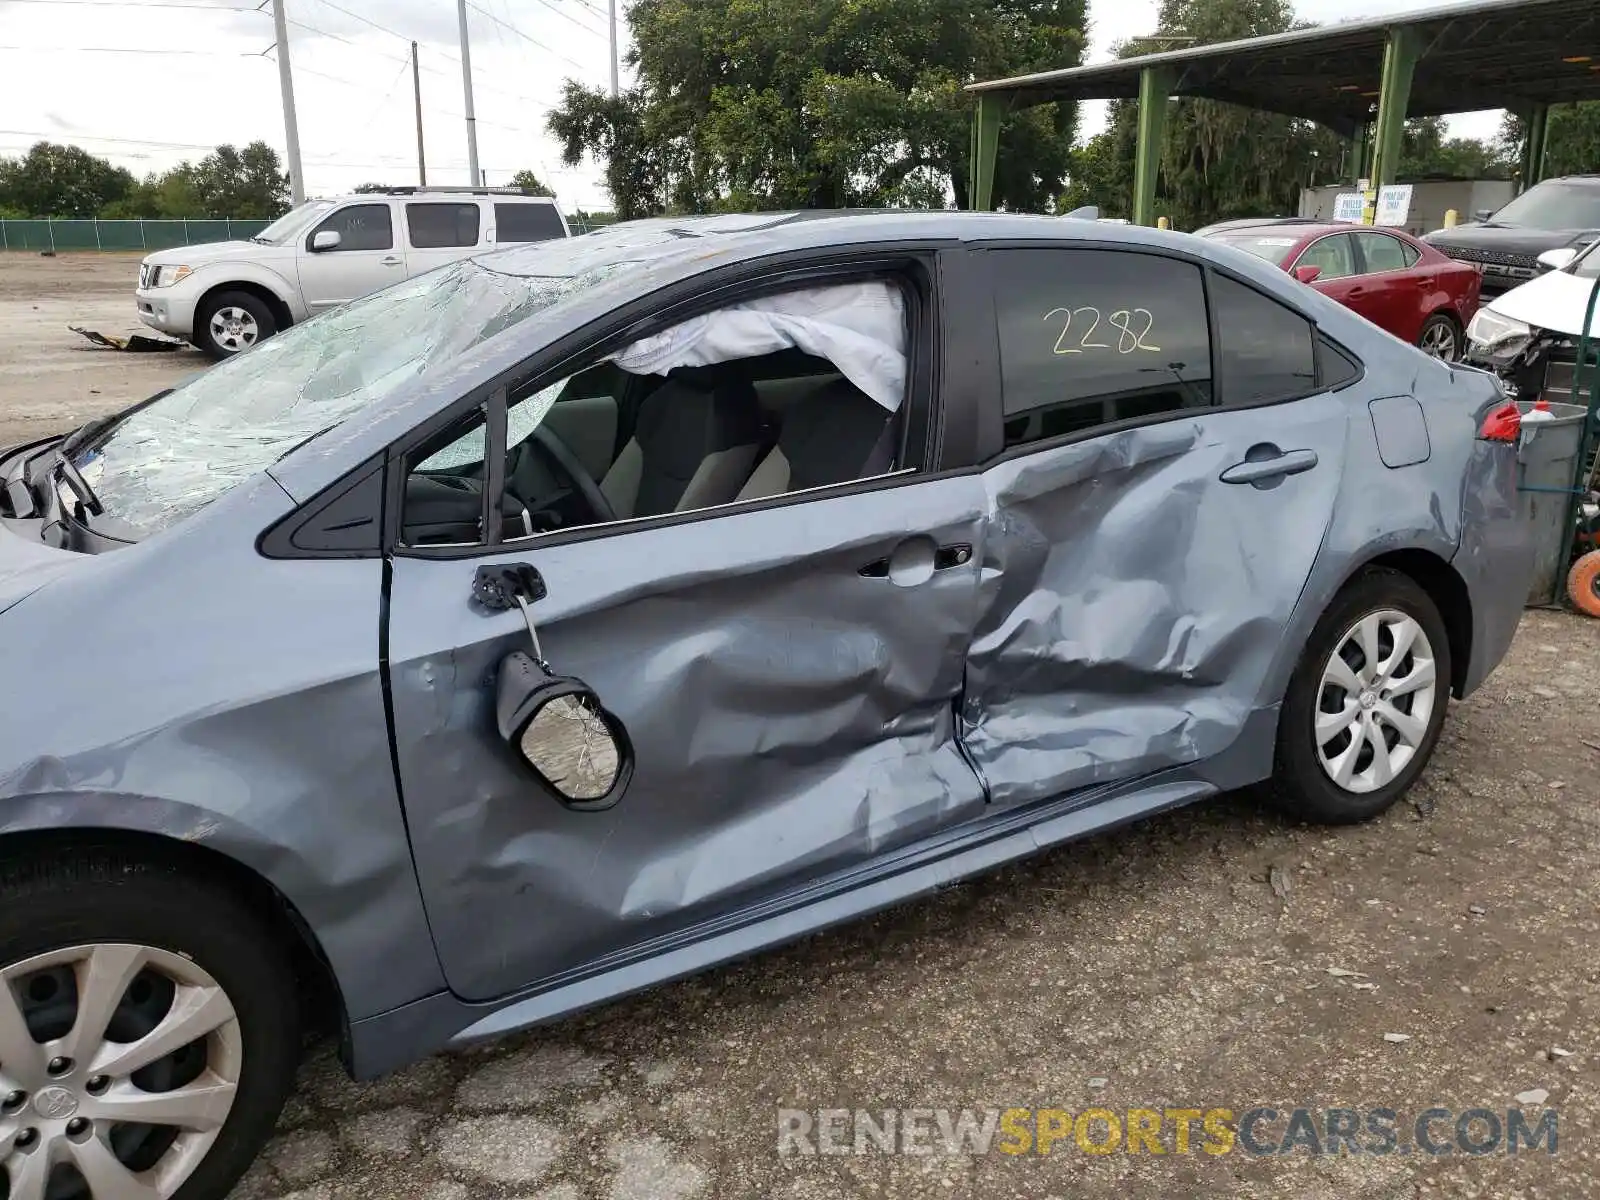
pixel 47 234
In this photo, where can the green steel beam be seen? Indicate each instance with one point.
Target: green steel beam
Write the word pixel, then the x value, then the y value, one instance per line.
pixel 1400 54
pixel 985 144
pixel 1537 118
pixel 1358 156
pixel 1155 85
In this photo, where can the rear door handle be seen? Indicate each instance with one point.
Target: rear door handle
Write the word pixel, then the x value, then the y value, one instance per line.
pixel 944 558
pixel 1269 467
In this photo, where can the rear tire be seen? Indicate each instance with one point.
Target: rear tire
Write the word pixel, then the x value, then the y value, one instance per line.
pixel 1441 337
pixel 1352 698
pixel 231 322
pixel 149 950
pixel 1583 584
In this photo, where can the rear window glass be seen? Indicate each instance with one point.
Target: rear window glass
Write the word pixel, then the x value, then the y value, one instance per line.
pixel 1383 253
pixel 1093 337
pixel 1267 349
pixel 434 226
pixel 527 223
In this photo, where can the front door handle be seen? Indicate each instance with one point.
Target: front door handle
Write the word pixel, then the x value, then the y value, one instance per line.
pixel 391 261
pixel 1265 464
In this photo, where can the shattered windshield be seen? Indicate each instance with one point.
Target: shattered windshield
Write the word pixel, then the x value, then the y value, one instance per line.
pixel 179 453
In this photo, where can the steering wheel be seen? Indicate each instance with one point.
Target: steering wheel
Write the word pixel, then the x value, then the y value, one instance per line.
pixel 567 463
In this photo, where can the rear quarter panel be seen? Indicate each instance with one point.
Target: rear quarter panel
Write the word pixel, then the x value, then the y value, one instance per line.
pixel 1380 510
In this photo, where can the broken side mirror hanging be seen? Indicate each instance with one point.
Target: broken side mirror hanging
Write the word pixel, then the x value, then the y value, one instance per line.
pixel 555 723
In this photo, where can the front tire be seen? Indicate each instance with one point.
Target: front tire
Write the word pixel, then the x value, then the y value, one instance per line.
pixel 149 1031
pixel 230 323
pixel 1366 703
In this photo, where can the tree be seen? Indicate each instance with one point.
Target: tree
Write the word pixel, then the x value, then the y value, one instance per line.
pixel 1571 138
pixel 1218 160
pixel 756 104
pixel 249 184
pixel 530 183
pixel 61 181
pixel 1426 152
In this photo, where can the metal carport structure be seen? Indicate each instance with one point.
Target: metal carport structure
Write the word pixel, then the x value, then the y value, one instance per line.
pixel 1521 55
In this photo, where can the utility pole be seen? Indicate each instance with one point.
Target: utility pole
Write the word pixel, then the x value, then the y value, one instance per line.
pixel 613 49
pixel 466 85
pixel 416 90
pixel 291 130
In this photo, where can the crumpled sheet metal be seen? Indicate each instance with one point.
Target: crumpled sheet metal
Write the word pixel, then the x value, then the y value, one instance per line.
pixel 1131 604
pixel 263 740
pixel 790 717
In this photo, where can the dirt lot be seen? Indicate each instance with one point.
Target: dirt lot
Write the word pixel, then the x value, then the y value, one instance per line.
pixel 1214 958
pixel 50 377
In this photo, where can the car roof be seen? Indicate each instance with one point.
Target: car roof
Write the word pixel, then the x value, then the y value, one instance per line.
pixel 443 194
pixel 1305 229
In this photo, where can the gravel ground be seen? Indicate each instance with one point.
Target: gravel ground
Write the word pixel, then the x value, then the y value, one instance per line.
pixel 1446 955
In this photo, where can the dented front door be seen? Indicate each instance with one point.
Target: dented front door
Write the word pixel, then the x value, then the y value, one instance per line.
pixel 787 677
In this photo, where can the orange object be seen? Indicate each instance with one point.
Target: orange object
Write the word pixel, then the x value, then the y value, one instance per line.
pixel 1502 425
pixel 1583 584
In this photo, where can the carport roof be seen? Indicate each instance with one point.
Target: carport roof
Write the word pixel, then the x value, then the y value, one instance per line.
pixel 1486 54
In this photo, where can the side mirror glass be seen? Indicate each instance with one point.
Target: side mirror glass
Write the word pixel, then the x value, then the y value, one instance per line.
pixel 558 727
pixel 1482 214
pixel 1307 274
pixel 1554 260
pixel 324 240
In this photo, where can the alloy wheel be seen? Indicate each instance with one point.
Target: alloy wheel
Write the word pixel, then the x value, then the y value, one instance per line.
pixel 119 1065
pixel 1439 341
pixel 234 329
pixel 1378 692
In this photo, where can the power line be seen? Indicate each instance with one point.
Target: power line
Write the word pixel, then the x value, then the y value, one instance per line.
pixel 443 53
pixel 216 8
pixel 472 4
pixel 126 50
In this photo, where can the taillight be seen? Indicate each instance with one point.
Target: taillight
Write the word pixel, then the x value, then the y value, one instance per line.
pixel 1504 424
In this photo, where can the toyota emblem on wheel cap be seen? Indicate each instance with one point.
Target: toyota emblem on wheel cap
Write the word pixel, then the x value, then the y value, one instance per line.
pixel 55 1103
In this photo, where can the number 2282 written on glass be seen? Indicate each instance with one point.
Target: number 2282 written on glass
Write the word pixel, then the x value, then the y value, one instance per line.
pixel 1133 326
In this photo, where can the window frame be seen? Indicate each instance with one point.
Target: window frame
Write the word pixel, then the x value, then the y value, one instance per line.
pixel 411 241
pixel 1356 260
pixel 991 449
pixel 1361 251
pixel 499 202
pixel 922 423
pixel 311 234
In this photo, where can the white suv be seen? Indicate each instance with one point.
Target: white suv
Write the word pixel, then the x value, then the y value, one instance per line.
pixel 226 296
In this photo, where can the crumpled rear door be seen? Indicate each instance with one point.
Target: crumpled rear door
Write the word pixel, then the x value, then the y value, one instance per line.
pixel 1132 601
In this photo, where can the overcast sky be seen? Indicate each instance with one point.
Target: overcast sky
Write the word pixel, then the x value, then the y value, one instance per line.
pixel 148 83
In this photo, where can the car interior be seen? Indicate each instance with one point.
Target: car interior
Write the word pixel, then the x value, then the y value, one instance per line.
pixel 615 446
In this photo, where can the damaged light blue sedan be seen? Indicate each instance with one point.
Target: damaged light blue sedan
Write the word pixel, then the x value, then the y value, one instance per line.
pixel 576 617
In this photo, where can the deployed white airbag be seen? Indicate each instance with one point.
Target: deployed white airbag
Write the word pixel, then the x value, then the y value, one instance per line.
pixel 859 327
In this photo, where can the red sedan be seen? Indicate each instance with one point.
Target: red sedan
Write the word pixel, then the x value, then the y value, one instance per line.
pixel 1397 282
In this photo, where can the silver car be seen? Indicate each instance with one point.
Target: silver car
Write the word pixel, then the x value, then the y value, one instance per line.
pixel 574 618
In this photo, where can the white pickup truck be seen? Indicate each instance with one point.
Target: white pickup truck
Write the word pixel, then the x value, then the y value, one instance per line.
pixel 226 296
